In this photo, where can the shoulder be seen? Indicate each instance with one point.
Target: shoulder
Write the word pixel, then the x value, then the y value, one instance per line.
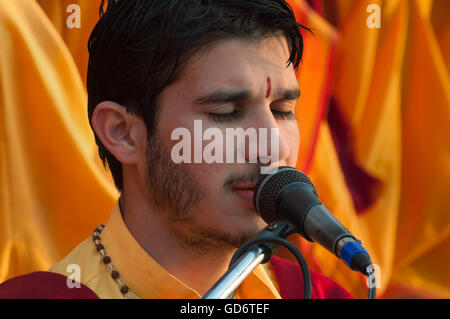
pixel 290 281
pixel 84 264
pixel 83 258
pixel 43 285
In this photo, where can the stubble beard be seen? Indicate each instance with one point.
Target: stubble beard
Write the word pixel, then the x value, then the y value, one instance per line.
pixel 177 194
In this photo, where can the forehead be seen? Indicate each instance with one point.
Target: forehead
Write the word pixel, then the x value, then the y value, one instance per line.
pixel 238 63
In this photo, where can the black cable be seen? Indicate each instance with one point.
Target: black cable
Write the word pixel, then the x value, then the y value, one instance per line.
pixel 300 259
pixel 372 292
pixel 283 242
pixel 372 285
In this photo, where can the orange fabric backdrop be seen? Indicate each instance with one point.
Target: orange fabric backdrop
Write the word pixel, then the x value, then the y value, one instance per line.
pixel 390 86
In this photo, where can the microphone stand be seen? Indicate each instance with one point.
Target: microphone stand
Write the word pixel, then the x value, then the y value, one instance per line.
pixel 230 281
pixel 247 261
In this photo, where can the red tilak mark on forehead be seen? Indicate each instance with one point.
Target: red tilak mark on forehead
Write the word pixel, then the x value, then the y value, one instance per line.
pixel 269 87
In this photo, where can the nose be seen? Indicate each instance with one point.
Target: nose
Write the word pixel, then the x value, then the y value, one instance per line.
pixel 271 149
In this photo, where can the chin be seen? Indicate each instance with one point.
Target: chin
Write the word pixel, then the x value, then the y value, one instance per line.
pixel 250 226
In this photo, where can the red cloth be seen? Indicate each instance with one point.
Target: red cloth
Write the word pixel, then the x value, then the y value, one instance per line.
pixel 48 285
pixel 43 285
pixel 290 281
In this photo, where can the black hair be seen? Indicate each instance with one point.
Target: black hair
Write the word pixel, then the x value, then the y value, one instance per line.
pixel 139 47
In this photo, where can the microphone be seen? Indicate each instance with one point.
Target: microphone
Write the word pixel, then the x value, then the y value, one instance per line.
pixel 288 194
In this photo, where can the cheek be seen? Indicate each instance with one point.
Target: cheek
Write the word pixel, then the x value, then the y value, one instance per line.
pixel 296 136
pixel 141 147
pixel 293 141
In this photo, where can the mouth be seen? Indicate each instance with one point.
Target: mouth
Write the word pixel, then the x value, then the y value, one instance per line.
pixel 244 192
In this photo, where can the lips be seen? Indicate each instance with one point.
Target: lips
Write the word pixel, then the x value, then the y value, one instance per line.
pixel 245 193
pixel 248 187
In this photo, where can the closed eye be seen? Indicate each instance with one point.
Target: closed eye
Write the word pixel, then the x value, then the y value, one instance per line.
pixel 231 116
pixel 225 117
pixel 284 115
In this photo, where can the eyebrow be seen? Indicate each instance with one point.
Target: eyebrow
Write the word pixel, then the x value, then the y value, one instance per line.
pixel 223 96
pixel 227 96
pixel 292 94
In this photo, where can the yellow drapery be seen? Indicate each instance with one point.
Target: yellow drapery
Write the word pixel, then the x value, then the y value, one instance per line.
pixel 391 85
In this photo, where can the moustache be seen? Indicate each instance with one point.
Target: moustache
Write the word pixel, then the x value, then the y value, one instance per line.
pixel 252 176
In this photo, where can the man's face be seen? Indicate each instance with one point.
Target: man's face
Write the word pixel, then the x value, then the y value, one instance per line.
pixel 235 84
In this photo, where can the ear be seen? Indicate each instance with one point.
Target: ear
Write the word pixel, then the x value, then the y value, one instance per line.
pixel 119 131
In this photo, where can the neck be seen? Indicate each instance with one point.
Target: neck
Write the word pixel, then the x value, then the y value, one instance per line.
pixel 155 234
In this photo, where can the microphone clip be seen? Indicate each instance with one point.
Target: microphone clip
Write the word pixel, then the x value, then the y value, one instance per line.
pixel 279 229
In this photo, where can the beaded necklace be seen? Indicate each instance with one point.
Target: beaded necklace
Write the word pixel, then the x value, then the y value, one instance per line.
pixel 124 289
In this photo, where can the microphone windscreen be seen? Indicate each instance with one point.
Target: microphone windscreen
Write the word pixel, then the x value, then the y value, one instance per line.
pixel 269 186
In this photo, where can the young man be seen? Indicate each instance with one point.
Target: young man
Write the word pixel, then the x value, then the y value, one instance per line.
pixel 158 66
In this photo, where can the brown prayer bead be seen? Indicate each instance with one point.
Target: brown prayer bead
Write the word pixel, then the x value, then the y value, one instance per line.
pixel 115 274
